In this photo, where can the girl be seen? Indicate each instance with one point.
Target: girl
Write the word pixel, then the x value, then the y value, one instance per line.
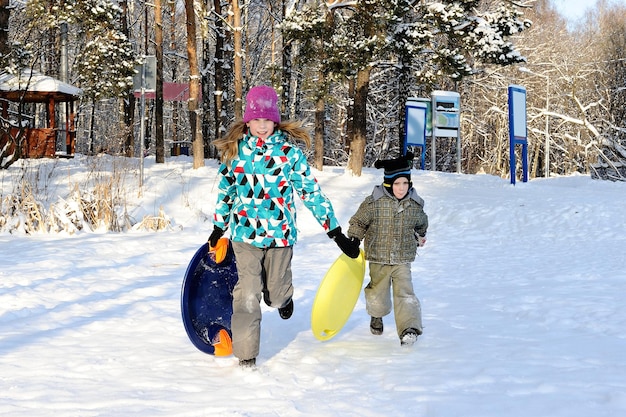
pixel 259 174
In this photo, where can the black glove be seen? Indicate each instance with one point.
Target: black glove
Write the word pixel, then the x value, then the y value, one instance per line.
pixel 215 236
pixel 349 246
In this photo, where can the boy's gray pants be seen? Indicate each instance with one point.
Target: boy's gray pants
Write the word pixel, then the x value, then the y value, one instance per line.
pixel 406 307
pixel 263 273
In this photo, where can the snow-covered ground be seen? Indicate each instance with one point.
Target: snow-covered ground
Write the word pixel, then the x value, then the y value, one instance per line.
pixel 521 287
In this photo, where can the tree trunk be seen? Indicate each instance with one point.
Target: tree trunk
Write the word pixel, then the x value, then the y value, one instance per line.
pixel 92 124
pixel 320 107
pixel 287 51
pixel 175 104
pixel 320 102
pixel 349 116
pixel 358 142
pixel 286 79
pixel 5 12
pixel 159 142
pixel 295 107
pixel 194 87
pixel 207 86
pixel 9 148
pixel 403 95
pixel 128 148
pixel 219 110
pixel 238 81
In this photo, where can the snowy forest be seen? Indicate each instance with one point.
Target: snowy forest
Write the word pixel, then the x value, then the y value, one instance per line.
pixel 345 68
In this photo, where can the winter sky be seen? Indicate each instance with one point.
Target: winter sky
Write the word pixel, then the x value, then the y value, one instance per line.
pixel 575 9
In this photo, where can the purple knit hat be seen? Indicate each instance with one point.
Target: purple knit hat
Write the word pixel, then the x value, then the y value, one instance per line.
pixel 262 103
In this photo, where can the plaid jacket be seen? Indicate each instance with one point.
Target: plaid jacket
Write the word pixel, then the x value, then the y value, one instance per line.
pixel 256 193
pixel 389 226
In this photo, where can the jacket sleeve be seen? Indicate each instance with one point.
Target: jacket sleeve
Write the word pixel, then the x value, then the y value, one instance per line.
pixel 309 190
pixel 361 220
pixel 421 225
pixel 225 197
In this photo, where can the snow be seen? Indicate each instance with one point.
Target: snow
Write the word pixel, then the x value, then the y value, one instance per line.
pixel 36 82
pixel 521 289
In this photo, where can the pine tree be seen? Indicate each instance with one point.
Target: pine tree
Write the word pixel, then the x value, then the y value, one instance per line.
pixel 432 39
pixel 105 60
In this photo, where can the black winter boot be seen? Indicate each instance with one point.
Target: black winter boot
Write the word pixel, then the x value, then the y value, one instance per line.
pixel 376 325
pixel 247 363
pixel 286 311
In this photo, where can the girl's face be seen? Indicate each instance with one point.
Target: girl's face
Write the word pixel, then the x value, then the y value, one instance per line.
pixel 261 128
pixel 400 187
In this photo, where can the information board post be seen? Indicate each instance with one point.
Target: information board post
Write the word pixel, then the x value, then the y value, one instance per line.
pixel 144 81
pixel 517 130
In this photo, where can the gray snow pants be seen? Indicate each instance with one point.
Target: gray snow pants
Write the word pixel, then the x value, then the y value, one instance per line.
pixel 263 273
pixel 406 307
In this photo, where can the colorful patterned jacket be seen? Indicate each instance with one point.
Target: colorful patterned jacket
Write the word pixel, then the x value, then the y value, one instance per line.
pixel 256 193
pixel 389 226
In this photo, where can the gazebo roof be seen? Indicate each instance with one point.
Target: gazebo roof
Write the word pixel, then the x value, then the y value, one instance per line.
pixel 36 87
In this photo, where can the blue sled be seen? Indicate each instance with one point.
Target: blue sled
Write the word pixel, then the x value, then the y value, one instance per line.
pixel 207 299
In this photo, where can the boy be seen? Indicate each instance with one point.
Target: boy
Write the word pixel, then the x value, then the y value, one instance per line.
pixel 393 224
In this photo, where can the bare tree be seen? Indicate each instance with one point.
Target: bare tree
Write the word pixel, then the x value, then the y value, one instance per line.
pixel 220 71
pixel 128 119
pixel 174 71
pixel 5 13
pixel 194 86
pixel 238 60
pixel 158 108
pixel 607 27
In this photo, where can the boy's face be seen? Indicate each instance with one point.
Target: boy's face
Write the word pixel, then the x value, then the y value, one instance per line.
pixel 400 187
pixel 261 128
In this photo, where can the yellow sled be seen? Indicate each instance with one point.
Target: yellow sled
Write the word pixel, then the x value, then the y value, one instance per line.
pixel 337 295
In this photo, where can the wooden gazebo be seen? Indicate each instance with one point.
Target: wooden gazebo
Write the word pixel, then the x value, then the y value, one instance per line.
pixel 40 133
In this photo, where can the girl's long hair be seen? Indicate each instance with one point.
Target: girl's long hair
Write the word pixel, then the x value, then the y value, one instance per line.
pixel 228 146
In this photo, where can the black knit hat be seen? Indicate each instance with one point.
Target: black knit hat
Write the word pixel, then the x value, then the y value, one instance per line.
pixel 396 168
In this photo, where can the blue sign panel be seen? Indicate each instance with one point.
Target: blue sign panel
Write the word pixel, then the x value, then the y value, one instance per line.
pixel 517 130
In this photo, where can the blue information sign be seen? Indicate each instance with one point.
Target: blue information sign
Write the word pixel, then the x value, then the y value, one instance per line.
pixel 517 130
